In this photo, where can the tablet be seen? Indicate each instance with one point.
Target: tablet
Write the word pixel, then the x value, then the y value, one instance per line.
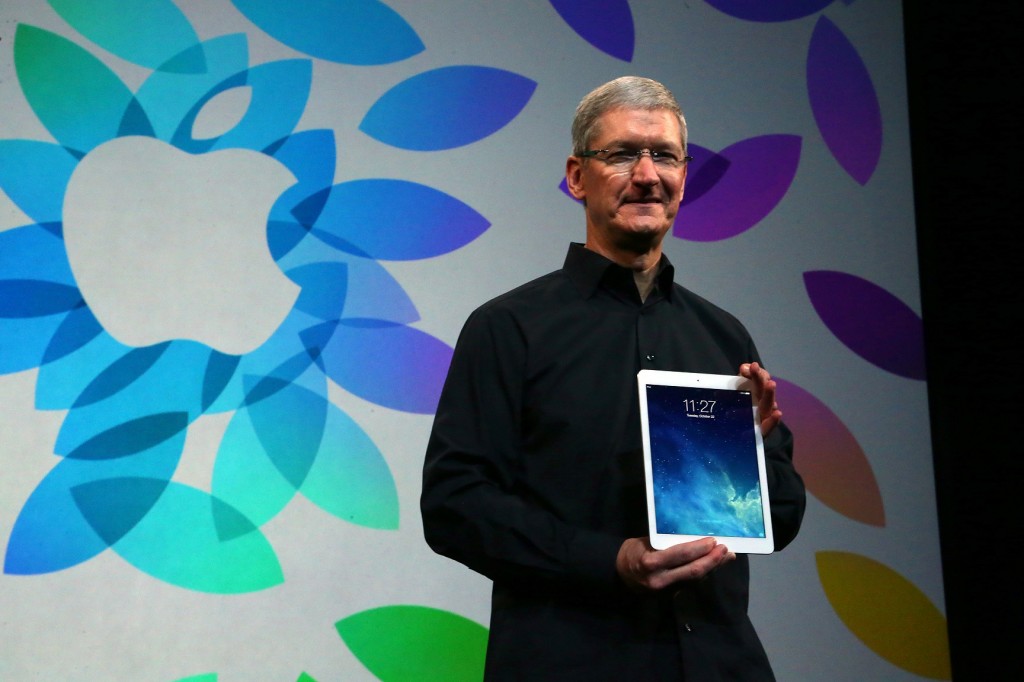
pixel 704 461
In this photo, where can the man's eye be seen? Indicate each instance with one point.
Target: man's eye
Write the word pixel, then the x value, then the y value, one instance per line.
pixel 664 157
pixel 621 156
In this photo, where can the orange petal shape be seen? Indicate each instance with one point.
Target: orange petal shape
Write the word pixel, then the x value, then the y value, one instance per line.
pixel 887 613
pixel 829 458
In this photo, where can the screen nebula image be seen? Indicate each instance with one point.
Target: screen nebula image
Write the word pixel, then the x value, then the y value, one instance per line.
pixel 704 464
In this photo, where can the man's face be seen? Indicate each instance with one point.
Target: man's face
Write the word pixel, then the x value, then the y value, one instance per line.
pixel 629 209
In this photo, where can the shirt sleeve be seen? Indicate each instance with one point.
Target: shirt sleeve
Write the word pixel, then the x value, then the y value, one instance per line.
pixel 786 493
pixel 473 507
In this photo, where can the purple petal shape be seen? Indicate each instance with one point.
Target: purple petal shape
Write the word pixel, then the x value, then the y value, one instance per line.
pixel 605 24
pixel 843 101
pixel 752 177
pixel 447 107
pixel 776 10
pixel 393 220
pixel 869 320
pixel 391 365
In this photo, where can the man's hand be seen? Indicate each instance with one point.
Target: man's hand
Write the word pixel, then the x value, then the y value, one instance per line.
pixel 764 393
pixel 645 568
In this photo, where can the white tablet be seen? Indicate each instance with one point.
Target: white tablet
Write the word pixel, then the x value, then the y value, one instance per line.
pixel 704 461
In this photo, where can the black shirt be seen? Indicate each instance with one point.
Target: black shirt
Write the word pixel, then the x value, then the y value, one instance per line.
pixel 534 477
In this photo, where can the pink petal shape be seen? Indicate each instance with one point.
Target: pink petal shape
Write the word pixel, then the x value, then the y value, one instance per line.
pixel 829 458
pixel 757 176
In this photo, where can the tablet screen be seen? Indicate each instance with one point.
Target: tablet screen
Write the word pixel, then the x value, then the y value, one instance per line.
pixel 704 460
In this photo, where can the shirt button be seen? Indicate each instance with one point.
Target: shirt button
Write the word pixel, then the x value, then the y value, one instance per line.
pixel 687 626
pixel 650 357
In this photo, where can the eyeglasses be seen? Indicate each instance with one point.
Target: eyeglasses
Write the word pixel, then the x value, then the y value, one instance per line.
pixel 626 159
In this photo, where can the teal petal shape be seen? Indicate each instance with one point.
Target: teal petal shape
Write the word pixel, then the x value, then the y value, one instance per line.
pixel 350 478
pixel 169 97
pixel 362 32
pixel 35 176
pixel 148 35
pixel 73 94
pixel 50 533
pixel 400 642
pixel 393 220
pixel 290 425
pixel 447 107
pixel 113 506
pixel 199 542
pixel 278 97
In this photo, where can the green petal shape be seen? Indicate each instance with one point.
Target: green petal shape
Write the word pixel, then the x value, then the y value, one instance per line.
pixel 887 613
pixel 149 35
pixel 79 100
pixel 204 677
pixel 182 540
pixel 408 643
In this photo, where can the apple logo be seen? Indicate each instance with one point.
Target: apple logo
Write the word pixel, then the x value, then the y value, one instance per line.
pixel 170 245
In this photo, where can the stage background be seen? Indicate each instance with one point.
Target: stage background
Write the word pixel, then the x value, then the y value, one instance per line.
pixel 237 241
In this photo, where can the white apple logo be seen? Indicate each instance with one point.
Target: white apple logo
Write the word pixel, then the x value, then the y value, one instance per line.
pixel 170 245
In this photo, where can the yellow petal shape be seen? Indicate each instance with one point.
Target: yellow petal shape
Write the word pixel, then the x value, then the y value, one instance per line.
pixel 887 613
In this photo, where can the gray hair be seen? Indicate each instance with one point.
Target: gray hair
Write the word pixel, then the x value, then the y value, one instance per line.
pixel 627 92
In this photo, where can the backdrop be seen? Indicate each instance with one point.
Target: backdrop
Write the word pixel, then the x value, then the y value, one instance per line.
pixel 238 240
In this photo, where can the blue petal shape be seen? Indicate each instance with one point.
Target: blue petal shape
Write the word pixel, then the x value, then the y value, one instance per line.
pixel 605 24
pixel 391 365
pixel 23 298
pixel 870 321
pixel 132 437
pixel 311 158
pixel 323 289
pixel 362 32
pixel 447 107
pixel 168 97
pixel 78 328
pixel 36 253
pixel 279 91
pixel 50 533
pixel 776 10
pixel 844 102
pixel 148 35
pixel 395 220
pixel 114 506
pixel 120 373
pixel 63 379
pixel 219 370
pixel 289 426
pixel 35 176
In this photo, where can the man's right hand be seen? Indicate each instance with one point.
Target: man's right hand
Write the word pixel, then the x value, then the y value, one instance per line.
pixel 644 568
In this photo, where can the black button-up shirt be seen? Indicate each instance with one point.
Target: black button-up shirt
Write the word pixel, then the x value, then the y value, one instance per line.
pixel 534 477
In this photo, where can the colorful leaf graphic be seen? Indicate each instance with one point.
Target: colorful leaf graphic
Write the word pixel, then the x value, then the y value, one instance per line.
pixel 887 613
pixel 416 644
pixel 447 107
pixel 605 24
pixel 363 32
pixel 869 320
pixel 34 175
pixel 829 458
pixel 388 364
pixel 150 34
pixel 392 220
pixel 776 10
pixel 844 102
pixel 737 187
pixel 79 100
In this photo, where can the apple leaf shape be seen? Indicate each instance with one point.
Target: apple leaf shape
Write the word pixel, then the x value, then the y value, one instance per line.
pixel 392 219
pixel 197 541
pixel 350 477
pixel 829 458
pixel 50 533
pixel 34 175
pixel 150 34
pixel 869 320
pixel 362 33
pixel 843 101
pixel 404 642
pixel 388 364
pixel 777 10
pixel 887 613
pixel 74 95
pixel 605 24
pixel 447 107
pixel 754 176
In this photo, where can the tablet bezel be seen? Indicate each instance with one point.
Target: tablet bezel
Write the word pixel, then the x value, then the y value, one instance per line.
pixel 738 544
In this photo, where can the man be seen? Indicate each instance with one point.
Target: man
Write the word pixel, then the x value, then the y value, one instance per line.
pixel 533 473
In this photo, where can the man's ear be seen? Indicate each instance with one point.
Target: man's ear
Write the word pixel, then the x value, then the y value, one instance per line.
pixel 574 177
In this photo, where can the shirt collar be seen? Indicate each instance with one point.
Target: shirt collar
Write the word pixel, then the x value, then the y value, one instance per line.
pixel 587 268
